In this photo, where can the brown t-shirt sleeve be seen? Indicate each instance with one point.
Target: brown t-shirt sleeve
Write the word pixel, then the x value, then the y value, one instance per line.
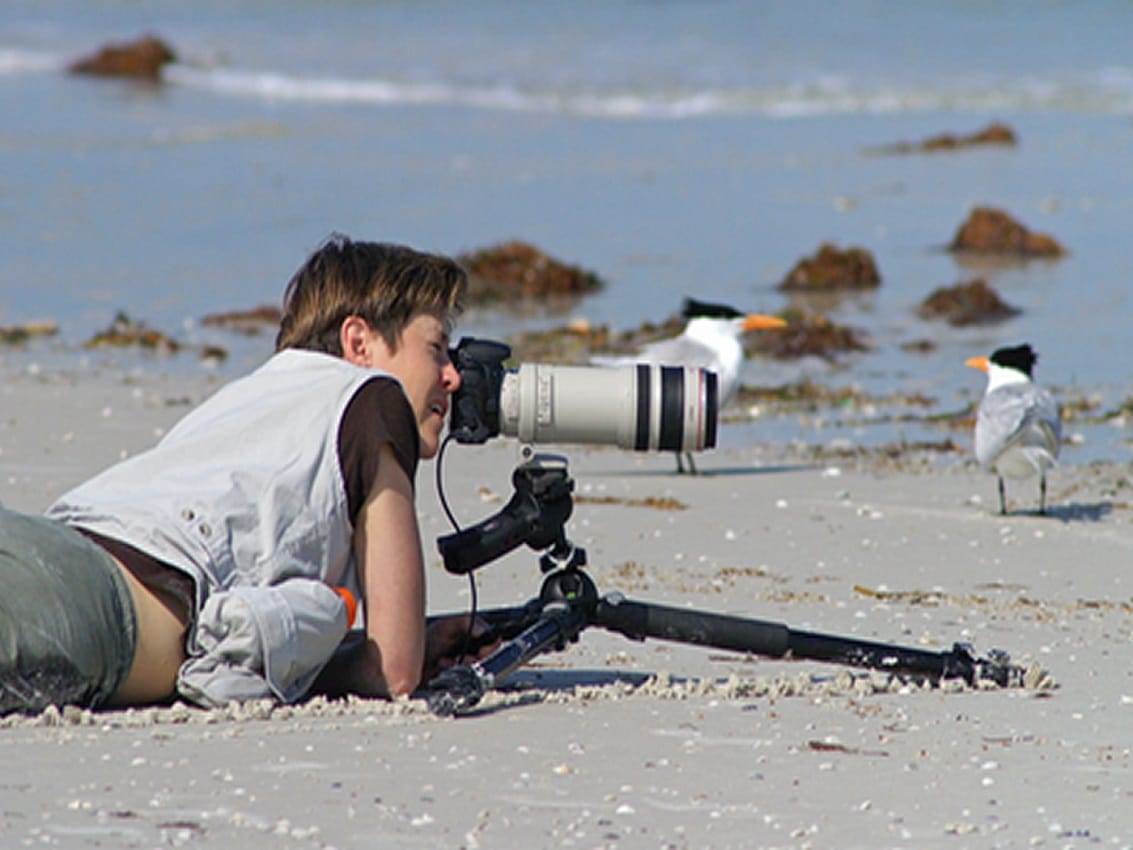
pixel 379 413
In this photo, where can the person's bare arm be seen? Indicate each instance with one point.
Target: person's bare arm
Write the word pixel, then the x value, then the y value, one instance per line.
pixel 387 549
pixel 387 657
pixel 395 651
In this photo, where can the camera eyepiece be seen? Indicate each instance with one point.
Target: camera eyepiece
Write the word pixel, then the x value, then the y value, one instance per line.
pixel 639 407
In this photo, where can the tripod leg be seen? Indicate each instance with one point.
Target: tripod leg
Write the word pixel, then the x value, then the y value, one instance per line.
pixel 461 687
pixel 640 620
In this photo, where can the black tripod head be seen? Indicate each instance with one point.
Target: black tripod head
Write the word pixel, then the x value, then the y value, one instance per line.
pixel 536 515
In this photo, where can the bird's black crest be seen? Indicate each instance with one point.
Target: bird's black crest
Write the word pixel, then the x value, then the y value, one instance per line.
pixel 694 309
pixel 1021 357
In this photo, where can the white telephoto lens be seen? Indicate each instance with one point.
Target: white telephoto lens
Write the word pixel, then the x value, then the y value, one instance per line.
pixel 640 407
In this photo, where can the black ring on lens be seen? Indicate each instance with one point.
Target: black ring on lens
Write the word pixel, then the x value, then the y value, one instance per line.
pixel 641 428
pixel 672 409
pixel 713 404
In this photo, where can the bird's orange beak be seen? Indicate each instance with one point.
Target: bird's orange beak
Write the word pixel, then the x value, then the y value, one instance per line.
pixel 977 363
pixel 758 322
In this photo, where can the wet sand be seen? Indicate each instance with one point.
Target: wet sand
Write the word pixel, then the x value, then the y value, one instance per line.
pixel 616 743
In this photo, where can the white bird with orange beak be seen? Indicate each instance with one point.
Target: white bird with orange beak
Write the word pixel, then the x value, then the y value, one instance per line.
pixel 1018 428
pixel 710 340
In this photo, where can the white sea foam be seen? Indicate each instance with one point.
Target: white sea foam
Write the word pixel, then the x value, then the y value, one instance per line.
pixel 1107 89
pixel 15 61
pixel 1110 91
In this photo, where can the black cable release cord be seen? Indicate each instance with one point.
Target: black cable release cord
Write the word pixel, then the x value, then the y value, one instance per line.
pixel 469 647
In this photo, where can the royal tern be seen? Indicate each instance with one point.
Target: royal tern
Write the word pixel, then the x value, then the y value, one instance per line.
pixel 710 340
pixel 1018 429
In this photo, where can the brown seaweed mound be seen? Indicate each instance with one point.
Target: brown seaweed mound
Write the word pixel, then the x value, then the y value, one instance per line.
pixel 971 303
pixel 125 332
pixel 993 134
pixel 993 231
pixel 518 270
pixel 833 269
pixel 805 335
pixel 142 59
pixel 575 343
pixel 571 345
pixel 248 322
pixel 19 334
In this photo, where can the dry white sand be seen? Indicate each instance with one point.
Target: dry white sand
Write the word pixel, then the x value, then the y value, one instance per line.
pixel 614 743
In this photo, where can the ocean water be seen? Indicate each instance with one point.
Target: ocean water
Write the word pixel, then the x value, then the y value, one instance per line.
pixel 674 148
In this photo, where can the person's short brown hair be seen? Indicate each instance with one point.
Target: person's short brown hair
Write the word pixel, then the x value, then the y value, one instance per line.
pixel 386 285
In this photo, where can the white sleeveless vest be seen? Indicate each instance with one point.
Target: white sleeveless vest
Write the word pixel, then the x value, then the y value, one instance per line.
pixel 245 494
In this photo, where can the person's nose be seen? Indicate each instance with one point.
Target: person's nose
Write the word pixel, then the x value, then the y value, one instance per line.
pixel 450 377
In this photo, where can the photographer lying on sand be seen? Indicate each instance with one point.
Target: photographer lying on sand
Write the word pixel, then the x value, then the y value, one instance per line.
pixel 224 563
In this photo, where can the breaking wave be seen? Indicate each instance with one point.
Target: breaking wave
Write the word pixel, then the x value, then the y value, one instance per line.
pixel 1108 90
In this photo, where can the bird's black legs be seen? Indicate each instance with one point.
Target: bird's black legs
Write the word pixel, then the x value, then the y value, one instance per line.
pixel 1042 496
pixel 681 465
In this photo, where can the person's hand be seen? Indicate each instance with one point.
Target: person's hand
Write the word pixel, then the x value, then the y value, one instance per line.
pixel 447 642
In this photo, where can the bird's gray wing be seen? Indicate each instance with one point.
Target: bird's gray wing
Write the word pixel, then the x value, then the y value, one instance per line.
pixel 1044 419
pixel 1046 409
pixel 1013 414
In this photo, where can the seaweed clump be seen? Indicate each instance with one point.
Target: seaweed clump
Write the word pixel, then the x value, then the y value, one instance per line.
pixel 569 345
pixel 140 59
pixel 994 134
pixel 970 303
pixel 518 270
pixel 991 231
pixel 833 269
pixel 125 332
pixel 806 335
pixel 20 334
pixel 249 322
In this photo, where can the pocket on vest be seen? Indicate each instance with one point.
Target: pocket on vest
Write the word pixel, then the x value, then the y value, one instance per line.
pixel 257 642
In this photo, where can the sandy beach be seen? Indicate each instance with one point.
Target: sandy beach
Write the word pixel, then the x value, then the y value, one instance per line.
pixel 615 743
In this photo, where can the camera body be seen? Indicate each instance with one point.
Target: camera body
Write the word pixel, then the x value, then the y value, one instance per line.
pixel 475 412
pixel 641 407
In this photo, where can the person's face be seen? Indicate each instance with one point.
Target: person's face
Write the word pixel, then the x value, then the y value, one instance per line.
pixel 422 364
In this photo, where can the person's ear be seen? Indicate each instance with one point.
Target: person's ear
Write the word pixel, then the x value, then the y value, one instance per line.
pixel 356 340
